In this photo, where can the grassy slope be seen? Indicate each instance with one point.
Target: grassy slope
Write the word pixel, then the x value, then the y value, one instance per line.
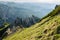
pixel 44 30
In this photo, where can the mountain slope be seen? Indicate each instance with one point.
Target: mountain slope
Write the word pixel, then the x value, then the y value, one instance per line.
pixel 47 29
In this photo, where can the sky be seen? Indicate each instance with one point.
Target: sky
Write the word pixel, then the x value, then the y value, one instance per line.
pixel 41 1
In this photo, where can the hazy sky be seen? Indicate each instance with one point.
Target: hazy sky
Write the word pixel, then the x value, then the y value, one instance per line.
pixel 45 1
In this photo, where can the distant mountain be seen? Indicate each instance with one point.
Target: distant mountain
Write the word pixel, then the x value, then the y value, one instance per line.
pixel 9 11
pixel 47 29
pixel 40 9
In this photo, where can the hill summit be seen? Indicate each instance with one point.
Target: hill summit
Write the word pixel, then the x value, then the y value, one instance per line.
pixel 47 29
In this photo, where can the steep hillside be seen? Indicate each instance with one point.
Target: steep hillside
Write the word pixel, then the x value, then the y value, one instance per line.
pixel 47 29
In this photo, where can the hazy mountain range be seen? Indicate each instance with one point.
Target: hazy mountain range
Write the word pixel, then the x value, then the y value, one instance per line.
pixel 28 9
pixel 9 11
